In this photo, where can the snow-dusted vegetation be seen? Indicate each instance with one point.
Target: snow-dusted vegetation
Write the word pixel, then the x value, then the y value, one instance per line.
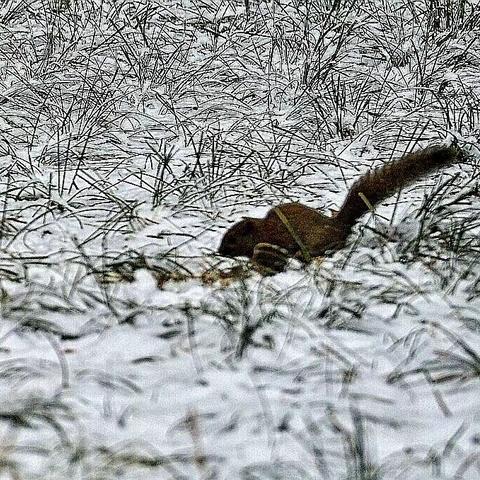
pixel 132 134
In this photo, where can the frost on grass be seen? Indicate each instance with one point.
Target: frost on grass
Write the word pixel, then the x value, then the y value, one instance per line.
pixel 131 135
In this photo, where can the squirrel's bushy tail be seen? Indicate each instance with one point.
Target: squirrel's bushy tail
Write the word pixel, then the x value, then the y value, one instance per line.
pixel 384 181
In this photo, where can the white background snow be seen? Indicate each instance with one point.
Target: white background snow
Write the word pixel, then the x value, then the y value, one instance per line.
pixel 132 134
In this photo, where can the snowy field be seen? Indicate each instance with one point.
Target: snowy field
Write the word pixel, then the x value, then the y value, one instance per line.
pixel 132 135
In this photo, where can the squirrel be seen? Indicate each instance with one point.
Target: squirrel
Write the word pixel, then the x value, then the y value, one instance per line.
pixel 304 232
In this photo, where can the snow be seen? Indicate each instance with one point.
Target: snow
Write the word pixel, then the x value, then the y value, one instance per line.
pixel 131 137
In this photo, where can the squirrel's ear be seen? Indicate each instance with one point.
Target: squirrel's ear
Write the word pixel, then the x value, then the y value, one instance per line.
pixel 247 226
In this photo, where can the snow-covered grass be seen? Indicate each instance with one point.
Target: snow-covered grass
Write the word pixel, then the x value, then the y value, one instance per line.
pixel 132 134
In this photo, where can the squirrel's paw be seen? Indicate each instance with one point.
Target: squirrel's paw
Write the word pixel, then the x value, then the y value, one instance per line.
pixel 269 259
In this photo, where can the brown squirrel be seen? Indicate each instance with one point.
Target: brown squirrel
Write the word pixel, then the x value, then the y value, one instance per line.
pixel 303 232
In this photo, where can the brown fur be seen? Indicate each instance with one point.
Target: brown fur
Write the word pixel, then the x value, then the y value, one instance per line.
pixel 319 233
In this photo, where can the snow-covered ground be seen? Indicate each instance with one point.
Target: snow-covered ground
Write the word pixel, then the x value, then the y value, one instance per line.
pixel 132 134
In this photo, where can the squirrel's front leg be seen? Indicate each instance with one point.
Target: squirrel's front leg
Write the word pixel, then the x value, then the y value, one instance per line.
pixel 269 259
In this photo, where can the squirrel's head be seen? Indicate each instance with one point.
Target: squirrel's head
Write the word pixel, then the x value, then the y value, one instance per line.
pixel 240 239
